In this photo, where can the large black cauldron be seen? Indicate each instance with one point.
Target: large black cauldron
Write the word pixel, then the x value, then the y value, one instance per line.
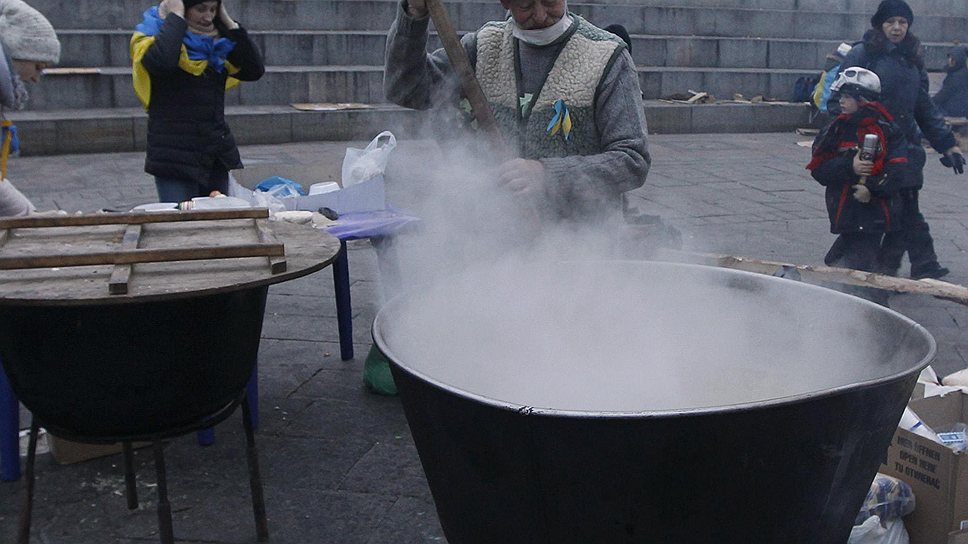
pixel 99 372
pixel 648 402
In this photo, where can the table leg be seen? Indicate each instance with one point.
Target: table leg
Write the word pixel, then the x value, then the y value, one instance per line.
pixel 206 437
pixel 344 310
pixel 252 396
pixel 9 431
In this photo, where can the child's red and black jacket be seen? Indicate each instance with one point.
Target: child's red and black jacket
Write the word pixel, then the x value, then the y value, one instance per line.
pixel 832 166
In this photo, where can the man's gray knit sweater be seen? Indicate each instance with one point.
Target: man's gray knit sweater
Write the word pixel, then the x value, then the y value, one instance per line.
pixel 415 79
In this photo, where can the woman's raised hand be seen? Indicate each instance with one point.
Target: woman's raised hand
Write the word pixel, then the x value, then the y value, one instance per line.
pixel 171 6
pixel 223 16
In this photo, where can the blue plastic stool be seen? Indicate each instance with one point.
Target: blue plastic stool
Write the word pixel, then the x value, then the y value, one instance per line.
pixel 9 431
pixel 379 227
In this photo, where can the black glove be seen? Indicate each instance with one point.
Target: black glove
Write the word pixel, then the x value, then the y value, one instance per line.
pixel 956 162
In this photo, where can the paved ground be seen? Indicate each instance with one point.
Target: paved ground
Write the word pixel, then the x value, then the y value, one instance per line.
pixel 338 463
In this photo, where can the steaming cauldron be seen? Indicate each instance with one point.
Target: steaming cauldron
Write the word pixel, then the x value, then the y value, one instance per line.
pixel 647 402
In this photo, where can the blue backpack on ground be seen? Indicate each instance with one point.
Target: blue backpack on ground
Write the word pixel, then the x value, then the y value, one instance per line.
pixel 803 88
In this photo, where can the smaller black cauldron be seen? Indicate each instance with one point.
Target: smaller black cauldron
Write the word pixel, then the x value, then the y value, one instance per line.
pixel 168 354
pixel 99 372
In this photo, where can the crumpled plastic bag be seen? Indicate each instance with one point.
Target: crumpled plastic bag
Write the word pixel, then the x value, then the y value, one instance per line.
pixel 266 200
pixel 872 532
pixel 362 164
pixel 280 187
pixel 887 499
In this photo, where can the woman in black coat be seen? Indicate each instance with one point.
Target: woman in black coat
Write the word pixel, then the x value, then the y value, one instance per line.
pixel 894 54
pixel 185 54
pixel 952 99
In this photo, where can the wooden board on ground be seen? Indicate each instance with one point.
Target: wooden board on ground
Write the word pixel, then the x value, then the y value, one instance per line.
pixel 820 274
pixel 330 106
pixel 70 71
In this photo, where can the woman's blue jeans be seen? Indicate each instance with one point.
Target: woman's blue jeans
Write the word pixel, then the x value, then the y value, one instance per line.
pixel 178 190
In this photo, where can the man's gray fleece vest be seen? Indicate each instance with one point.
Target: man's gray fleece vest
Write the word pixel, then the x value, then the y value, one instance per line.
pixel 573 79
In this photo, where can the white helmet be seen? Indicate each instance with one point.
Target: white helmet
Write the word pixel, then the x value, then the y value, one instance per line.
pixel 857 81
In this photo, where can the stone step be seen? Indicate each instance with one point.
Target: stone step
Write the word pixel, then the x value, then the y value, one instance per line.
pixel 123 129
pixel 939 7
pixel 945 25
pixel 84 48
pixel 112 88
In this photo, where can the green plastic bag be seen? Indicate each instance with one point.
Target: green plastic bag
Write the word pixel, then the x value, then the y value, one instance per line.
pixel 376 373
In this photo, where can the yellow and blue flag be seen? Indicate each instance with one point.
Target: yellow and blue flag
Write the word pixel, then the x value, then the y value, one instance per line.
pixel 560 121
pixel 198 52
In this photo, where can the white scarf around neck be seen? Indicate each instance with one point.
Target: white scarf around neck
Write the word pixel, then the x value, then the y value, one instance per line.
pixel 542 36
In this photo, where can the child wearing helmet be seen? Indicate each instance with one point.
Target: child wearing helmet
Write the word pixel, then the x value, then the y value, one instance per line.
pixel 861 191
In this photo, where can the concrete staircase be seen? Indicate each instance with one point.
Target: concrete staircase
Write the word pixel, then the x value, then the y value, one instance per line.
pixel 332 51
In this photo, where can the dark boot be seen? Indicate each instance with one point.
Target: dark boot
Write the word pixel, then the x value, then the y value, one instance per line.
pixel 836 252
pixel 929 270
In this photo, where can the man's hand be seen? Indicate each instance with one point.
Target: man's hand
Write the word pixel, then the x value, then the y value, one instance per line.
pixel 954 159
pixel 417 9
pixel 223 15
pixel 522 176
pixel 862 167
pixel 171 6
pixel 861 193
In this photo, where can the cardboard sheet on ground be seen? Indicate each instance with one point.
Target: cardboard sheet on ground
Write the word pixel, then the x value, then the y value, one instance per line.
pixel 330 106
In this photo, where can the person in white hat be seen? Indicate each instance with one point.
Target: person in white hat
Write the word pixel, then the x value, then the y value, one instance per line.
pixel 861 184
pixel 28 45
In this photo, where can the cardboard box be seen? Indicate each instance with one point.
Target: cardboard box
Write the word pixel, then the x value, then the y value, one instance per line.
pixel 67 452
pixel 369 195
pixel 937 475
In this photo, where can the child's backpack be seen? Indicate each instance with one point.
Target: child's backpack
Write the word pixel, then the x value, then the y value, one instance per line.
pixel 821 90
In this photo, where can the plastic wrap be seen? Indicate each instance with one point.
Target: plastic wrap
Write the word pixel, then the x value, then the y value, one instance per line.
pixel 888 499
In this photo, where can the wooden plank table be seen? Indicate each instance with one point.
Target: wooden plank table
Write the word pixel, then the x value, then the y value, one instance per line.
pixel 106 259
pixel 118 258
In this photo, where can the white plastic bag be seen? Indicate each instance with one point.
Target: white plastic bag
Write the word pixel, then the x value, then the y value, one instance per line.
pixel 872 532
pixel 13 202
pixel 363 164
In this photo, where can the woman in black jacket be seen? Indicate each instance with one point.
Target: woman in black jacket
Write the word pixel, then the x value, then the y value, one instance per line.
pixel 894 54
pixel 952 99
pixel 185 54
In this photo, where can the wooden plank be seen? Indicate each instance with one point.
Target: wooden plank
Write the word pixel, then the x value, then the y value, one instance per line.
pixel 307 250
pixel 118 283
pixel 71 71
pixel 330 106
pixel 936 288
pixel 131 218
pixel 133 256
pixel 459 61
pixel 276 264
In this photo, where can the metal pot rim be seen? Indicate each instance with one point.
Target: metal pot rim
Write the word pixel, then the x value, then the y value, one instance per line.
pixel 380 341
